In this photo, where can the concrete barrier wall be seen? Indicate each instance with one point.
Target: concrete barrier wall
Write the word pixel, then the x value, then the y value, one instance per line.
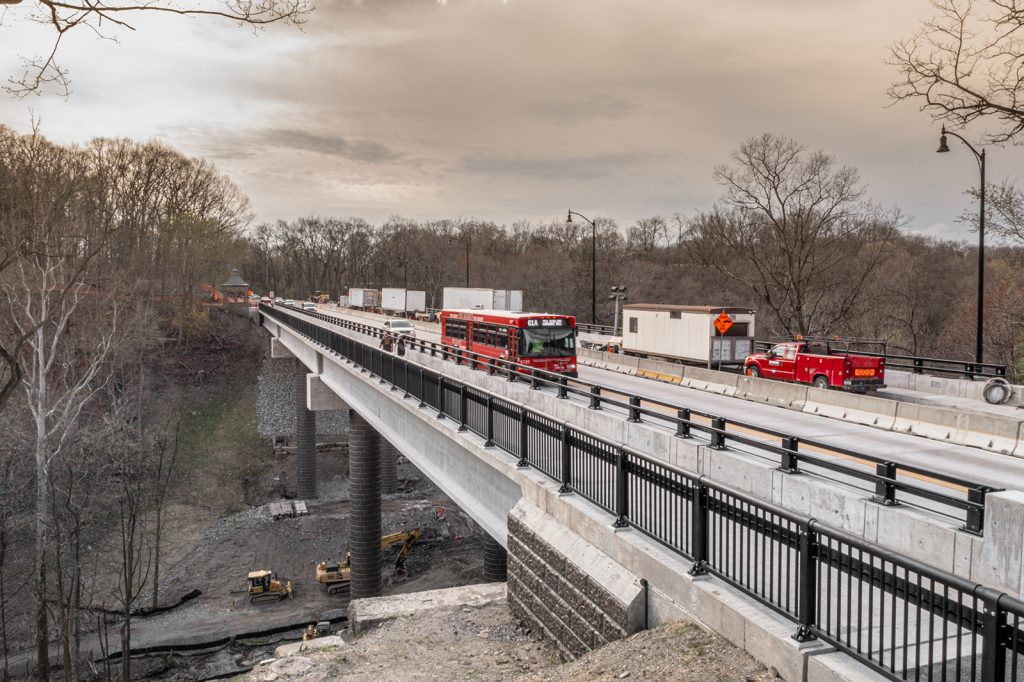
pixel 861 409
pixel 1004 435
pixel 790 396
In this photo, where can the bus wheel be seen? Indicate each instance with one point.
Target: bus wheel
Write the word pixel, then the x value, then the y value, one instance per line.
pixel 821 382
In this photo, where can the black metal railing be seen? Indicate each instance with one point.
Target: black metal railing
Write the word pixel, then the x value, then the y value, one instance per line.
pixel 904 619
pixel 890 482
pixel 919 364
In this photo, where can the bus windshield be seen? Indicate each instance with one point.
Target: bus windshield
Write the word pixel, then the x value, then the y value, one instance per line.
pixel 547 343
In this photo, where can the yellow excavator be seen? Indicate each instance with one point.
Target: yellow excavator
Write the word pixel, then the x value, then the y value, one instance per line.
pixel 336 576
pixel 321 296
pixel 264 586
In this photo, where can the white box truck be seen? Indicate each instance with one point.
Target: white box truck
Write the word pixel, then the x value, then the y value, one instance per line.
pixel 462 298
pixel 363 298
pixel 705 335
pixel 403 300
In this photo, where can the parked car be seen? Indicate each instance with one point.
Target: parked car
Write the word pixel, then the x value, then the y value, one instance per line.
pixel 823 364
pixel 403 327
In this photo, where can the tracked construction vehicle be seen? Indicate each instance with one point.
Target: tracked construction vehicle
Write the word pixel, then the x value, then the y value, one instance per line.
pixel 264 586
pixel 336 576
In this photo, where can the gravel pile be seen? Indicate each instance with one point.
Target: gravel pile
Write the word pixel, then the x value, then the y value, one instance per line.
pixel 275 403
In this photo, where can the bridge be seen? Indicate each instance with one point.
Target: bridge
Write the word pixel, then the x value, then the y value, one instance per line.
pixel 614 510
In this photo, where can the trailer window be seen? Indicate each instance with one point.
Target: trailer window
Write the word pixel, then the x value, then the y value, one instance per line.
pixel 632 325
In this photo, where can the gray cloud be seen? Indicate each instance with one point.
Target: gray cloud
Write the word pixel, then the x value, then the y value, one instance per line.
pixel 555 167
pixel 332 145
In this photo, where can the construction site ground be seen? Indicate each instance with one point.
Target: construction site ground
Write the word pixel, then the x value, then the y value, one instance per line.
pixel 218 526
pixel 486 643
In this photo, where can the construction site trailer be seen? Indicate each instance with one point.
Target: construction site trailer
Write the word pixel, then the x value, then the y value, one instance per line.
pixel 403 300
pixel 463 298
pixel 363 298
pixel 689 333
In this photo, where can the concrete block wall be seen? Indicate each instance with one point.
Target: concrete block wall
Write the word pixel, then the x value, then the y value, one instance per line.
pixel 565 589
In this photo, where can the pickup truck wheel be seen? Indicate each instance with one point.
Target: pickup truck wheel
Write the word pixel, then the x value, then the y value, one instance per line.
pixel 753 371
pixel 820 382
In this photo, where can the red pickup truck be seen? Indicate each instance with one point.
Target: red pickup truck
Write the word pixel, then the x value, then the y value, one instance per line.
pixel 820 364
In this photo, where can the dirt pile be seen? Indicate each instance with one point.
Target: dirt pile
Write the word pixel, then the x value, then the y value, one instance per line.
pixel 486 643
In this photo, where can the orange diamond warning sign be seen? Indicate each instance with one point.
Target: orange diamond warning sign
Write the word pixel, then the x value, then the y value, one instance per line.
pixel 723 322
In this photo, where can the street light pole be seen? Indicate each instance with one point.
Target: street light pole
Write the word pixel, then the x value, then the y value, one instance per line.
pixel 593 263
pixel 980 158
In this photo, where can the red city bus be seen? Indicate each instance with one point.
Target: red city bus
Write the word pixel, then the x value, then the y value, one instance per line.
pixel 544 341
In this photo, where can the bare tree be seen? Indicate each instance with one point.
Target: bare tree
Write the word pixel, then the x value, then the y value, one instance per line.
pixel 796 231
pixel 966 63
pixel 106 18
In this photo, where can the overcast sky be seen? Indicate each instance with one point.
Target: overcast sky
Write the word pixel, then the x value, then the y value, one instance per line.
pixel 510 110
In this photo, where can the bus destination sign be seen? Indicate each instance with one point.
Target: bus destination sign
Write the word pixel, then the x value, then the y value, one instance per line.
pixel 546 322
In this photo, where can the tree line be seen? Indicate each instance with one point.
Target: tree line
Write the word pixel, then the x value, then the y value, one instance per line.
pixel 794 235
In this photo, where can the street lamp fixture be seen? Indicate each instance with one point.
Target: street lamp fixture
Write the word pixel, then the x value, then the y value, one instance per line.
pixel 980 158
pixel 593 263
pixel 618 295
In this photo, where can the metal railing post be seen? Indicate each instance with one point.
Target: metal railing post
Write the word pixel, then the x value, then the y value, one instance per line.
pixel 993 629
pixel 790 462
pixel 563 387
pixel 808 574
pixel 683 423
pixel 717 434
pixel 634 408
pixel 621 490
pixel 975 522
pixel 423 389
pixel 595 397
pixel 566 461
pixel 489 441
pixel 440 396
pixel 463 403
pixel 885 491
pixel 699 538
pixel 524 440
pixel 490 367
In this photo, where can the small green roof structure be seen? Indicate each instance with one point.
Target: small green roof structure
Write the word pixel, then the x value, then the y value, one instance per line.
pixel 236 289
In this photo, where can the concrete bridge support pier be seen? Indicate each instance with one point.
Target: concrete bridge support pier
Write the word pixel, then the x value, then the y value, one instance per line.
pixel 364 524
pixel 305 438
pixel 388 468
pixel 495 561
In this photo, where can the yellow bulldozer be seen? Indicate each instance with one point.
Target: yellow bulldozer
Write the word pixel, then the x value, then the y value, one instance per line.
pixel 336 576
pixel 264 586
pixel 321 296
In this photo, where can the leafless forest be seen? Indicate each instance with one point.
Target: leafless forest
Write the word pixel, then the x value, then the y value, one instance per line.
pixel 108 250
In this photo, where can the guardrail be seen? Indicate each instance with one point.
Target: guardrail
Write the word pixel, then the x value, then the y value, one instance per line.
pixel 883 481
pixel 888 611
pixel 919 364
